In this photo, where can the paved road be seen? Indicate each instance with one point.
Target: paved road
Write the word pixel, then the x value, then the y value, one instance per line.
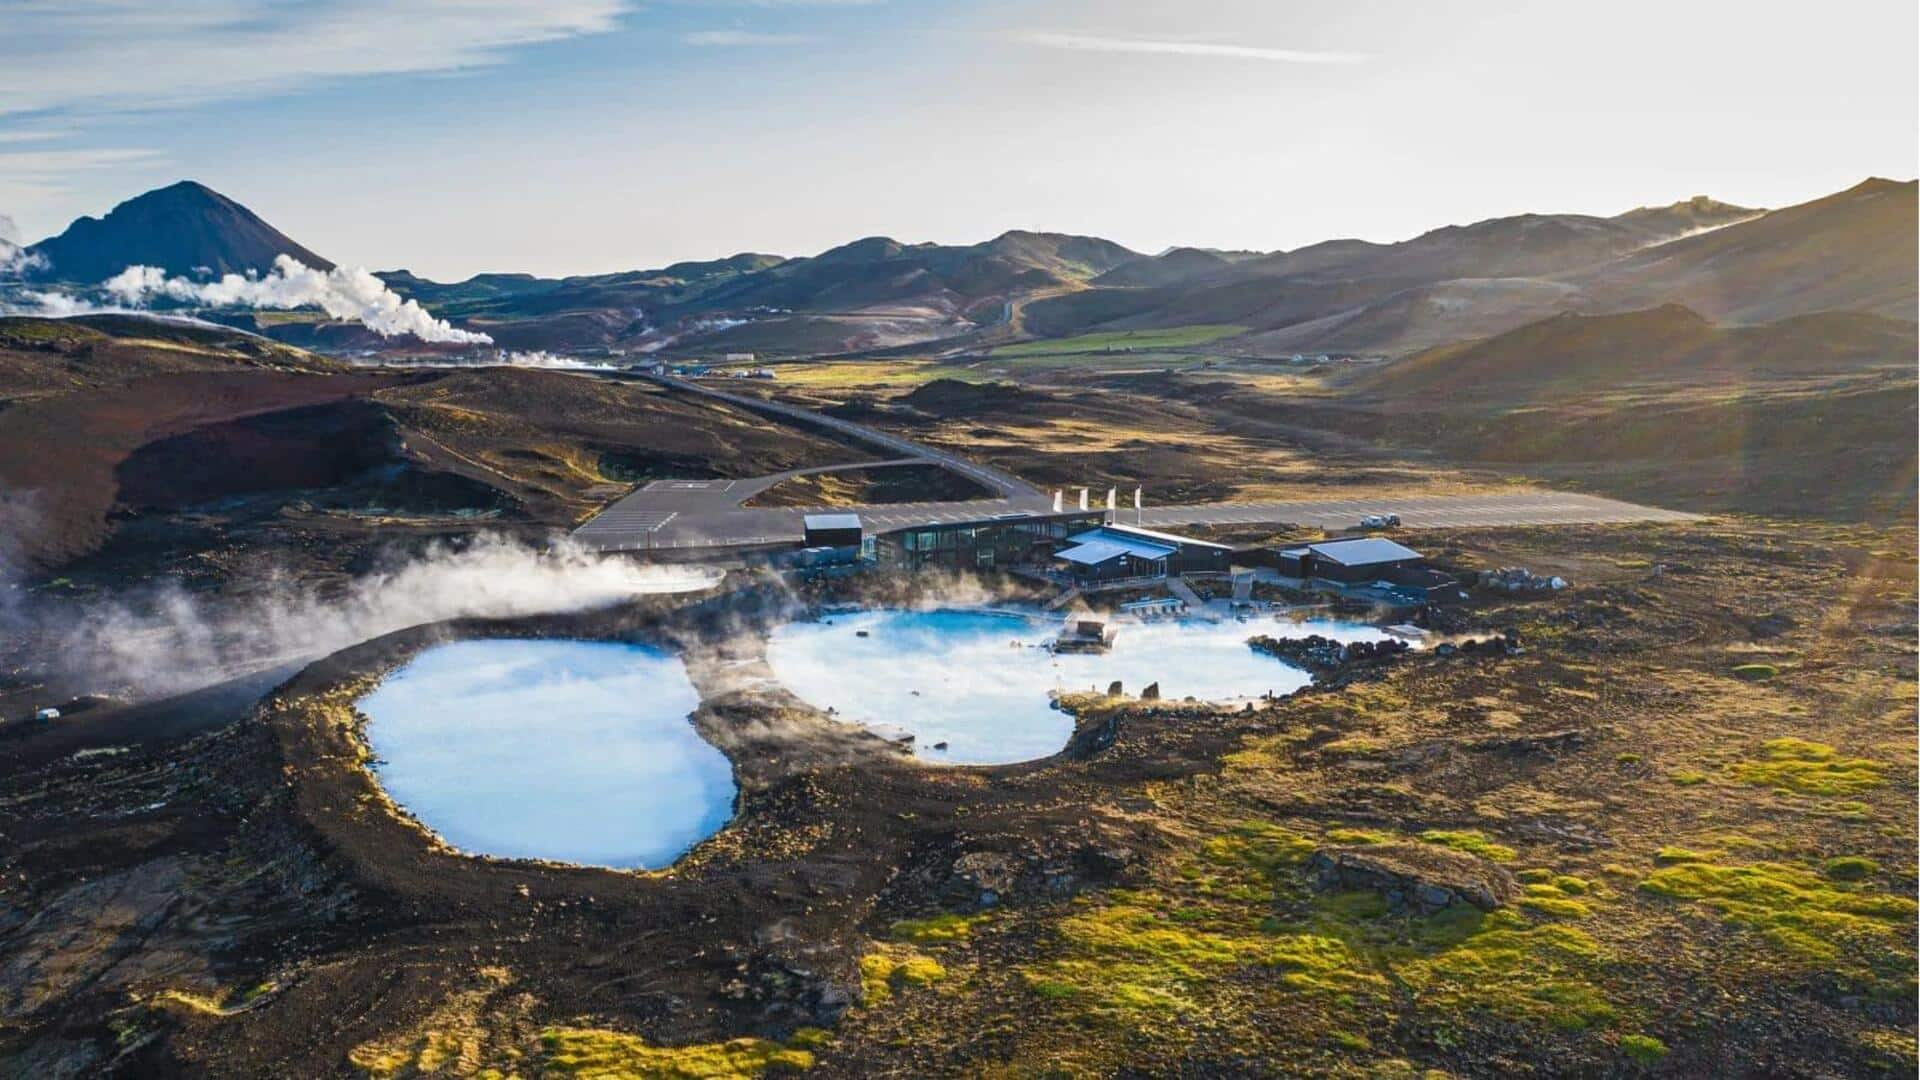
pixel 1420 511
pixel 668 514
pixel 1008 485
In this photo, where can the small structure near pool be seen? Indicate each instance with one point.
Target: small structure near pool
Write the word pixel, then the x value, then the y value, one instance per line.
pixel 1369 560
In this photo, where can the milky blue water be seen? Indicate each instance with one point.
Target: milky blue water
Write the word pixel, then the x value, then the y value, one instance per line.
pixel 979 683
pixel 574 751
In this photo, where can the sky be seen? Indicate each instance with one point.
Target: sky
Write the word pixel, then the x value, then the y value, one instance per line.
pixel 587 136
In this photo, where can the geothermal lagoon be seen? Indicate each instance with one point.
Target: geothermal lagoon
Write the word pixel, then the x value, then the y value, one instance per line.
pixel 574 751
pixel 981 683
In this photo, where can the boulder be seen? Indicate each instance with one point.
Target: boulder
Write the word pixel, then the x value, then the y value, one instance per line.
pixel 1420 878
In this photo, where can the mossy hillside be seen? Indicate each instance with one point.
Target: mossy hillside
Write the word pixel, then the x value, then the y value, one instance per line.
pixel 1238 928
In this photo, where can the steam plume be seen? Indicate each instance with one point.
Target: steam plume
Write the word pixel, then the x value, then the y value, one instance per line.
pixel 170 641
pixel 342 293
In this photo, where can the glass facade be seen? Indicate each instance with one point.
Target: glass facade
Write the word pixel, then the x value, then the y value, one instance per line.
pixel 982 544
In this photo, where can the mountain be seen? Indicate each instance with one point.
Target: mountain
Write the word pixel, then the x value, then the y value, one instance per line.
pixel 882 270
pixel 187 228
pixel 1850 251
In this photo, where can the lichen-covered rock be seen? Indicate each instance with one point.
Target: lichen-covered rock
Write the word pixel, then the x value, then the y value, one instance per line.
pixel 1415 877
pixel 988 875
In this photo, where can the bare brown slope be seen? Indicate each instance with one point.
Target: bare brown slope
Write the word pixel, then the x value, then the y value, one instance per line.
pixel 1570 355
pixel 1850 251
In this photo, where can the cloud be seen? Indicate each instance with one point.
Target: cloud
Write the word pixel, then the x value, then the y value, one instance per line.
pixel 342 293
pixel 742 38
pixel 120 55
pixel 1179 47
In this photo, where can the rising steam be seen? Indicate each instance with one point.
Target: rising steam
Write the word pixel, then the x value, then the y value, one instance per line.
pixel 341 292
pixel 170 641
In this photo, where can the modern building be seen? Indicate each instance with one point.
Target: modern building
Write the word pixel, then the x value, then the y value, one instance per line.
pixel 1349 562
pixel 832 530
pixel 982 543
pixel 1116 552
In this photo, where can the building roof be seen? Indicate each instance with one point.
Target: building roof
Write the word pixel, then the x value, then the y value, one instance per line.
pixel 1092 552
pixel 1126 541
pixel 833 521
pixel 1177 541
pixel 1363 551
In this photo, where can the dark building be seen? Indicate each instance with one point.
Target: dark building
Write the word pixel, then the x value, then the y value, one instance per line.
pixel 982 543
pixel 1114 552
pixel 1350 562
pixel 832 530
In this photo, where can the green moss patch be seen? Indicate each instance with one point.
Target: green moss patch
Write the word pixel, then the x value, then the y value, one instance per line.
pixel 1851 868
pixel 1470 841
pixel 892 967
pixel 1755 672
pixel 1357 836
pixel 1644 1049
pixel 593 1054
pixel 940 929
pixel 1809 768
pixel 1852 931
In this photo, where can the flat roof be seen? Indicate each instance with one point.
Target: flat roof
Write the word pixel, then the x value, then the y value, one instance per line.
pixel 1092 552
pixel 832 521
pixel 1166 536
pixel 1132 545
pixel 1363 551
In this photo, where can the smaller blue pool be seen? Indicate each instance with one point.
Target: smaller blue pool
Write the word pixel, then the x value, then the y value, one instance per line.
pixel 574 751
pixel 974 687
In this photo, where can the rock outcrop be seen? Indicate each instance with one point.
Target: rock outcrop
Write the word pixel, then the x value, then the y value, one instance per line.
pixel 1420 878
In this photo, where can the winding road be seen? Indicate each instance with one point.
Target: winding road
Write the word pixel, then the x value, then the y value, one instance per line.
pixel 670 514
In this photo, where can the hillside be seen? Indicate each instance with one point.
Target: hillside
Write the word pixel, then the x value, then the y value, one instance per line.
pixel 1573 355
pixel 1850 251
pixel 187 228
pixel 144 436
pixel 1355 296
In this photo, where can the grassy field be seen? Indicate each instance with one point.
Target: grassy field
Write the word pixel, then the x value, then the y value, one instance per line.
pixel 1178 337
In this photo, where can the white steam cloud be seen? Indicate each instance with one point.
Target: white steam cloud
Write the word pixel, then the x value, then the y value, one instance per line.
pixel 341 292
pixel 171 641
